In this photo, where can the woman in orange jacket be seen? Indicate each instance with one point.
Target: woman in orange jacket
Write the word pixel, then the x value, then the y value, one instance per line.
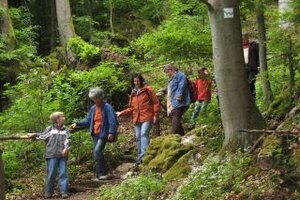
pixel 144 107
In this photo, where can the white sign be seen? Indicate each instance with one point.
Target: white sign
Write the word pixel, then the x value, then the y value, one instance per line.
pixel 228 13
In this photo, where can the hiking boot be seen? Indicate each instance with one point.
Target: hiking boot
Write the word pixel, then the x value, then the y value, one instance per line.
pixel 95 179
pixel 64 195
pixel 104 177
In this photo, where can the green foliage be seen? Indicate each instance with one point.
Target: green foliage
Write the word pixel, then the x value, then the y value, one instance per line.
pixel 31 105
pixel 85 26
pixel 142 187
pixel 25 31
pixel 215 178
pixel 181 38
pixel 71 87
pixel 82 49
pixel 20 156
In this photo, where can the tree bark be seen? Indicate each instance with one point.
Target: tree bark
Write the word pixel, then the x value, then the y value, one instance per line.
pixel 111 22
pixel 238 110
pixel 65 26
pixel 2 179
pixel 53 26
pixel 263 56
pixel 6 27
pixel 290 58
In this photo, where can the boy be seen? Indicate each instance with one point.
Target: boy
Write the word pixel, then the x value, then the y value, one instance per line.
pixel 203 84
pixel 58 143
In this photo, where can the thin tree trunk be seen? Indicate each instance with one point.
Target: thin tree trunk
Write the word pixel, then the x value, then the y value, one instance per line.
pixel 290 58
pixel 6 27
pixel 238 110
pixel 2 179
pixel 111 6
pixel 65 26
pixel 263 57
pixel 53 26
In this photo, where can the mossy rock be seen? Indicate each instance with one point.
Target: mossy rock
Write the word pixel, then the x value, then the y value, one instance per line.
pixel 270 154
pixel 271 146
pixel 181 168
pixel 163 152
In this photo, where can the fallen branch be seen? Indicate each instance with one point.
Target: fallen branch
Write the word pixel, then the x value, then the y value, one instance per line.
pixel 283 132
pixel 15 137
pixel 257 142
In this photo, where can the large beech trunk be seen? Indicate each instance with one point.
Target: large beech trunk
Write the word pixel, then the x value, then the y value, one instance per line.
pixel 65 26
pixel 238 110
pixel 6 27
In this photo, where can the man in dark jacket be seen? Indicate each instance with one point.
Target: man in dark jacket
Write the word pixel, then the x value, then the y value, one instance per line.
pixel 251 56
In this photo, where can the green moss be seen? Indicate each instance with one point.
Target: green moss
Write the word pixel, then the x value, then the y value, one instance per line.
pixel 180 169
pixel 271 146
pixel 163 152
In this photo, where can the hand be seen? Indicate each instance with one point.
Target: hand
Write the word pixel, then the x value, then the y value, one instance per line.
pixel 31 135
pixel 65 152
pixel 154 120
pixel 73 126
pixel 118 114
pixel 110 137
pixel 179 98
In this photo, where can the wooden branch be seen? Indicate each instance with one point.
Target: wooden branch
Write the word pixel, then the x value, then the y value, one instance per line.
pixel 257 142
pixel 15 137
pixel 284 132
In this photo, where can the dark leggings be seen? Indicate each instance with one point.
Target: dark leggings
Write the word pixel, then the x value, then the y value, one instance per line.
pixel 176 117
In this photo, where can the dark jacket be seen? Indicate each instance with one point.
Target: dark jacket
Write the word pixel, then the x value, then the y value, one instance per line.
pixel 56 141
pixel 253 58
pixel 109 120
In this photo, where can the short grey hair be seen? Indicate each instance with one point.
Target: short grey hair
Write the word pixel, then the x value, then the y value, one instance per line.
pixel 96 92
pixel 170 66
pixel 55 116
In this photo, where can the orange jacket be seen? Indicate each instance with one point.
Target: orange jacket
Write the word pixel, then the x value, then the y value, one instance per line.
pixel 143 105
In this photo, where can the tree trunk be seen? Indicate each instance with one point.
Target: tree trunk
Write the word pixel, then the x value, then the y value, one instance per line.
pixel 53 26
pixel 263 57
pixel 111 8
pixel 290 58
pixel 65 26
pixel 238 110
pixel 2 179
pixel 6 27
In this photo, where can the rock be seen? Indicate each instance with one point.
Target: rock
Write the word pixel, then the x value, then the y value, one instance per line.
pixel 270 153
pixel 163 152
pixel 128 175
pixel 189 139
